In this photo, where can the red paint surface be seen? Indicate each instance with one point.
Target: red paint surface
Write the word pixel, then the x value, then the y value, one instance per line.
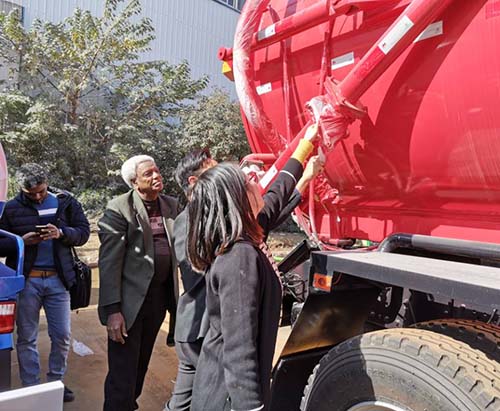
pixel 493 9
pixel 426 158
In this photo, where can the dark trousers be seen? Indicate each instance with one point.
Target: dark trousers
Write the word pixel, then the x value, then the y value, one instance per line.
pixel 128 363
pixel 188 354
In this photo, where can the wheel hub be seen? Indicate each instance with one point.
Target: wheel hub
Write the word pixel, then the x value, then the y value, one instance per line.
pixel 376 406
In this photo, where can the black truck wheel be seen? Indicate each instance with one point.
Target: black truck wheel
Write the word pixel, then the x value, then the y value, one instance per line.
pixel 403 370
pixel 478 335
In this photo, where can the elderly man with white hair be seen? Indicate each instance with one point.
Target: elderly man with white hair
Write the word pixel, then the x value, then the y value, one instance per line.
pixel 137 268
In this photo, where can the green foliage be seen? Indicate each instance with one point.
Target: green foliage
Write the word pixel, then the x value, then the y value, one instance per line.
pixel 12 187
pixel 94 199
pixel 83 102
pixel 215 123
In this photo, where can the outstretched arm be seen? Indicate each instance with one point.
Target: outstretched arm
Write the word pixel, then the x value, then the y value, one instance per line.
pixel 277 198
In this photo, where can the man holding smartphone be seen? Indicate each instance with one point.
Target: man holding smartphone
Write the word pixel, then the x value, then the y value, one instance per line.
pixel 50 222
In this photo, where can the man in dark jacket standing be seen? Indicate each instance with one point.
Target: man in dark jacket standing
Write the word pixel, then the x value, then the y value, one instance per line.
pixel 138 278
pixel 192 320
pixel 50 223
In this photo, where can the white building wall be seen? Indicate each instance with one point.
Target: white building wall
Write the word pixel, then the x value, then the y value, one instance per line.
pixel 191 30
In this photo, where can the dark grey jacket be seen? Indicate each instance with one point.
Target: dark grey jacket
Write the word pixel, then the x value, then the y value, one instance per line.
pixel 243 305
pixel 192 319
pixel 126 254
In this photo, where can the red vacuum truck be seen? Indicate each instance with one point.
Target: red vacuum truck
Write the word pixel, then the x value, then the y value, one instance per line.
pixel 397 302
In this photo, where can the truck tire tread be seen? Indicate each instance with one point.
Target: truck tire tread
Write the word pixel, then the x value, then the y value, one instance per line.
pixel 480 336
pixel 466 368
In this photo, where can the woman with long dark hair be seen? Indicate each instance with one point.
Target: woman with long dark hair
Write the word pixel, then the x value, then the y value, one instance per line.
pixel 228 221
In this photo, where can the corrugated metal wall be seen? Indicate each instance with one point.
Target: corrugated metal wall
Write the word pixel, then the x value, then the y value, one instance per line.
pixel 7 6
pixel 185 29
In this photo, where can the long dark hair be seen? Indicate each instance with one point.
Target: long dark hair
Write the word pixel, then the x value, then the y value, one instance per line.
pixel 219 215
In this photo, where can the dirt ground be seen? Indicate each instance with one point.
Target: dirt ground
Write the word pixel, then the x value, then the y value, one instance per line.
pixel 85 375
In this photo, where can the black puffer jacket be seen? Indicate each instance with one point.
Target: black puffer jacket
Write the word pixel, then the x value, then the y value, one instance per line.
pixel 20 217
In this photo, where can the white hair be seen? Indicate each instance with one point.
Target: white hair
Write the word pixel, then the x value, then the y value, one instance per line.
pixel 129 167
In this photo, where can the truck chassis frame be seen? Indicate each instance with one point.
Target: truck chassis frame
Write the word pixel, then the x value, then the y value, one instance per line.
pixel 409 279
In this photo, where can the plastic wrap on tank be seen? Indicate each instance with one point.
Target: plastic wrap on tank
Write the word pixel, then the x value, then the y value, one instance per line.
pixel 333 115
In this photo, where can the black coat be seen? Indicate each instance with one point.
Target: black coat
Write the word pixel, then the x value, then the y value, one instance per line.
pixel 192 319
pixel 20 217
pixel 243 305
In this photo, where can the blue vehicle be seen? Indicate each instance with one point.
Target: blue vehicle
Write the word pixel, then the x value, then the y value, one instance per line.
pixel 11 283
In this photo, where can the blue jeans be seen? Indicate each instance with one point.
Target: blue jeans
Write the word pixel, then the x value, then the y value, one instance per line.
pixel 50 294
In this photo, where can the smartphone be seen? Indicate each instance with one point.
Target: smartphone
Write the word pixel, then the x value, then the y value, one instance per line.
pixel 41 228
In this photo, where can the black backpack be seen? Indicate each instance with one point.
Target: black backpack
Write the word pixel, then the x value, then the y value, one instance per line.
pixel 80 291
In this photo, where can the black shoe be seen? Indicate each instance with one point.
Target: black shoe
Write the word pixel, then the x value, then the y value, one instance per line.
pixel 68 395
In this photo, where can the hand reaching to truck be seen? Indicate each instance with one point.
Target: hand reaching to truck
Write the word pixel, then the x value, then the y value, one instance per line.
pixel 306 145
pixel 313 168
